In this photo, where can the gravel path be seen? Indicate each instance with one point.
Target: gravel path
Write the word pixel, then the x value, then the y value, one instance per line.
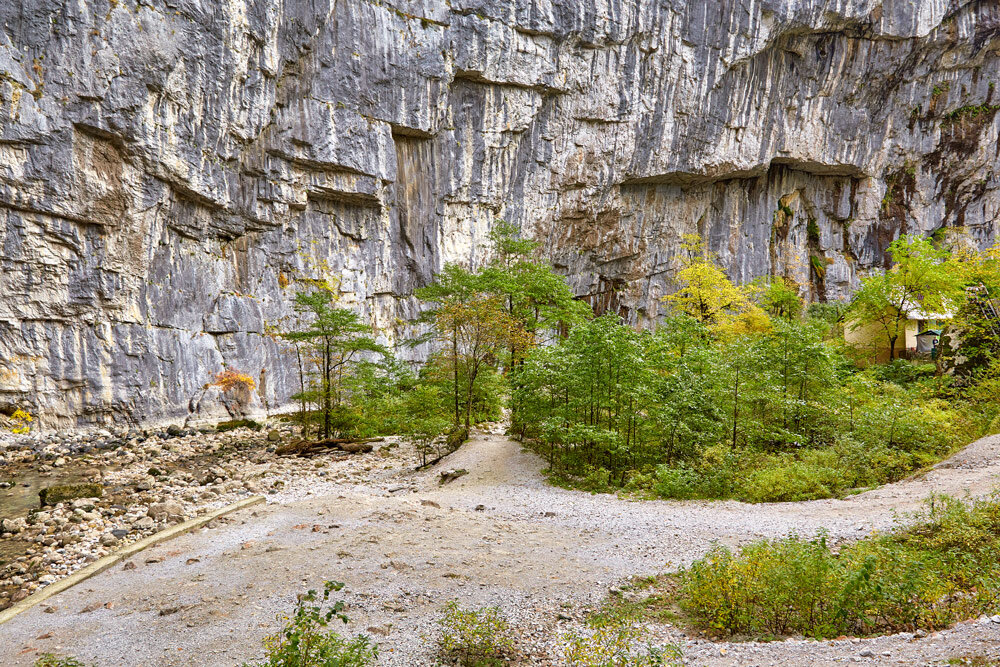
pixel 405 545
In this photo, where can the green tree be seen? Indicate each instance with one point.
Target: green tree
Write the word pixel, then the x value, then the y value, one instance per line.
pixel 533 295
pixel 921 278
pixel 781 299
pixel 976 318
pixel 334 339
pixel 480 330
pixel 493 316
pixel 451 289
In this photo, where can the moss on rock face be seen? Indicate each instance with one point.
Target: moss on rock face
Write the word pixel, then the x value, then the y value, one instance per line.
pixel 63 492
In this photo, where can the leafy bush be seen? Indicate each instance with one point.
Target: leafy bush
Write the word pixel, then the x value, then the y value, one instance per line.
pixel 306 641
pixel 20 421
pixel 475 637
pixel 790 481
pixel 941 571
pixel 236 390
pixel 902 372
pixel 610 642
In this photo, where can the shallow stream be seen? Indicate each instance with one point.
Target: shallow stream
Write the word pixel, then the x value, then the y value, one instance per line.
pixel 19 499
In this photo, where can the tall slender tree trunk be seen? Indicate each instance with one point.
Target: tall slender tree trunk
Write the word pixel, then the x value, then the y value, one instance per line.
pixel 736 404
pixel 327 381
pixel 473 372
pixel 454 357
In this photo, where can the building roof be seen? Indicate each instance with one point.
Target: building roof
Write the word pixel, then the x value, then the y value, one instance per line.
pixel 915 312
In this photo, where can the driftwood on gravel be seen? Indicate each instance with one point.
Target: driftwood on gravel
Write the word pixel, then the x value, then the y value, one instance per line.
pixel 314 447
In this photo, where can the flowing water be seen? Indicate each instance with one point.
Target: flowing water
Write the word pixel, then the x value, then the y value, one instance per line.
pixel 23 496
pixel 19 499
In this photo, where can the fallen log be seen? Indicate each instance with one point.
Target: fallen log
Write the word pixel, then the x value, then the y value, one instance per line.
pixel 314 447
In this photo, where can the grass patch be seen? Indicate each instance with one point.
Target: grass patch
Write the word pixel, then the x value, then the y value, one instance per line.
pixel 975 660
pixel 646 599
pixel 53 660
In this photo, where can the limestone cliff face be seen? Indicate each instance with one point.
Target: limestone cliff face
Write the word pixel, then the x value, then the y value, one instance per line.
pixel 170 168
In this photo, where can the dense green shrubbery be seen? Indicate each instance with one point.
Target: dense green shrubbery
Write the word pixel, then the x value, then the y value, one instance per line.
pixel 769 416
pixel 941 571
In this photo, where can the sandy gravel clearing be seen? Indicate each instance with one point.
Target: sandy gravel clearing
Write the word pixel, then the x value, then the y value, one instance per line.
pixel 405 545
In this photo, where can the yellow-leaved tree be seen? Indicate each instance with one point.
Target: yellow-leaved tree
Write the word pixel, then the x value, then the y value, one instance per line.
pixel 706 294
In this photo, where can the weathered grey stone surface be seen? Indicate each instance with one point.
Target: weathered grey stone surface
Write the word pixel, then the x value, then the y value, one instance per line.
pixel 170 168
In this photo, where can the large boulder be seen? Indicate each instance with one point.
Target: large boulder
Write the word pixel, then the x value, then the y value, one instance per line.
pixel 63 492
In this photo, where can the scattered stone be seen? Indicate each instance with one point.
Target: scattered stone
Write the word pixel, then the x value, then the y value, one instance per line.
pixel 273 435
pixel 129 566
pixel 12 526
pixel 170 510
pixel 145 523
pixel 429 503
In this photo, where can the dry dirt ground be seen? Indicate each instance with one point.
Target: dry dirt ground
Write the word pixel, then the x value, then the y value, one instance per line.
pixel 405 545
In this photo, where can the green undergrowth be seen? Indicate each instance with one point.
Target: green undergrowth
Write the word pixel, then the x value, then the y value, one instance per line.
pixel 974 660
pixel 615 642
pixel 837 431
pixel 940 571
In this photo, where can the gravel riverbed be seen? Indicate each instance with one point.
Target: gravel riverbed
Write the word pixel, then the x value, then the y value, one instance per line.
pixel 149 480
pixel 405 545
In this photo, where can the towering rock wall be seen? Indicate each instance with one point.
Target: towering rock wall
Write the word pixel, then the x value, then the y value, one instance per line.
pixel 170 168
